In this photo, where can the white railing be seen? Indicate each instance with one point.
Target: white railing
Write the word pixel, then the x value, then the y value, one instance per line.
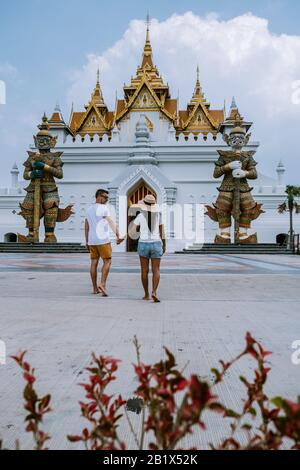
pixel 116 139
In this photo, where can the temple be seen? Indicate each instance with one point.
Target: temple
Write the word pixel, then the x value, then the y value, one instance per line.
pixel 146 144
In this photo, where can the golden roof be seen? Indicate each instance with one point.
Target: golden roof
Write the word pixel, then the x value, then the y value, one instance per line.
pixel 147 92
pixel 198 117
pixel 56 119
pixel 96 119
pixel 75 119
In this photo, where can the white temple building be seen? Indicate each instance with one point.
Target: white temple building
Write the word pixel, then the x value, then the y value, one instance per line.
pixel 146 145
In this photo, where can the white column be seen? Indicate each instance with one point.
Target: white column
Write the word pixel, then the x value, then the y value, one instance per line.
pixel 14 176
pixel 280 174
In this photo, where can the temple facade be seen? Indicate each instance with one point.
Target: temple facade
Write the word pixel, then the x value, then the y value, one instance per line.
pixel 146 145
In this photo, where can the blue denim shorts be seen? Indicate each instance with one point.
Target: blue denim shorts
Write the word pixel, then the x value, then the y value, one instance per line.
pixel 150 250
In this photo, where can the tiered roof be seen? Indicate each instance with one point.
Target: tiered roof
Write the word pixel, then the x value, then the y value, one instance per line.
pixel 146 91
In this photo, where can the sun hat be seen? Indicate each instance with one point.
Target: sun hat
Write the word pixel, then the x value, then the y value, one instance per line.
pixel 149 204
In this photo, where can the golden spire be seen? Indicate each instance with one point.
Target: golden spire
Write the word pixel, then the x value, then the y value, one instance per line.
pixel 147 53
pixel 198 91
pixel 198 95
pixel 97 97
pixel 148 28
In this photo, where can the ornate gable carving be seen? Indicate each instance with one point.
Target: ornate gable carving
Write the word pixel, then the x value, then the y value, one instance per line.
pixel 199 119
pixel 144 100
pixel 93 122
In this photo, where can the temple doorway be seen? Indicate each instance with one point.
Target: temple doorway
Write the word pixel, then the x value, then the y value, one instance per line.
pixel 133 198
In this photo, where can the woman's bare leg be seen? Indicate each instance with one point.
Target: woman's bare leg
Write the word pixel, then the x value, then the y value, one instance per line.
pixel 144 276
pixel 155 262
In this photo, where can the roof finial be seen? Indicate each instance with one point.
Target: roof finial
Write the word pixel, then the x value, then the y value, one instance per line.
pixel 233 103
pixel 97 97
pixel 71 113
pixel 198 90
pixel 57 107
pixel 148 21
pixel 147 53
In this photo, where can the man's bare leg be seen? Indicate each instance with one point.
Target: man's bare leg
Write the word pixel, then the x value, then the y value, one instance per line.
pixel 93 271
pixel 105 271
pixel 155 262
pixel 144 276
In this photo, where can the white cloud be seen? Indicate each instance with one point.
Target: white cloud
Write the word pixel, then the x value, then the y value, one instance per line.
pixel 240 57
pixel 7 70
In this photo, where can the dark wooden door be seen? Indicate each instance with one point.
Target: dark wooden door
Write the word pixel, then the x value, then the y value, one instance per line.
pixel 136 196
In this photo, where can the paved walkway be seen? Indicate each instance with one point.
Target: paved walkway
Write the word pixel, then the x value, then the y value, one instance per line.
pixel 208 303
pixel 176 264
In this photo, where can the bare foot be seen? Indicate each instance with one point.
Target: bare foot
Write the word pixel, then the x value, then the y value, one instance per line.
pixel 103 291
pixel 155 299
pixel 96 291
pixel 146 297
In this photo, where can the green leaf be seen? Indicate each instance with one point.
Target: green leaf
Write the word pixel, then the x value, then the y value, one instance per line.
pixel 231 414
pixel 278 402
pixel 217 374
pixel 246 426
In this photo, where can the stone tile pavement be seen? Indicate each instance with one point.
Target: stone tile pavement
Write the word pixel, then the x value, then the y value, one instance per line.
pixel 208 303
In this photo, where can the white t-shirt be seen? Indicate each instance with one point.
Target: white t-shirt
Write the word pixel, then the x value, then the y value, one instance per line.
pixel 98 225
pixel 142 221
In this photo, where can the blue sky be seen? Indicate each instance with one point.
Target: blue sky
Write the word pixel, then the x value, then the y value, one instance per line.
pixel 43 42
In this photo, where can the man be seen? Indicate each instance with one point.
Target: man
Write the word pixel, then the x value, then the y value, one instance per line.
pixel 152 243
pixel 97 238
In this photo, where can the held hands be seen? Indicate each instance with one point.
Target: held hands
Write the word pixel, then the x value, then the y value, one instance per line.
pixel 235 165
pixel 239 173
pixel 38 165
pixel 120 240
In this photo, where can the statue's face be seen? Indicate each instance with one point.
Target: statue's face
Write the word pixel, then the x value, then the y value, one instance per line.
pixel 43 142
pixel 237 141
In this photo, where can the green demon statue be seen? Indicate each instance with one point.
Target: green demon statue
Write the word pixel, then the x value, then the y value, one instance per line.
pixel 42 199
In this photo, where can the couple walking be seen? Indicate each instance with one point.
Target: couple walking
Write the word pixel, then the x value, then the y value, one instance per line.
pixel 147 225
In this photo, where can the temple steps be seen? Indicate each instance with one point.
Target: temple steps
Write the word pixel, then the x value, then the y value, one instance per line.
pixel 259 248
pixel 42 248
pixel 196 248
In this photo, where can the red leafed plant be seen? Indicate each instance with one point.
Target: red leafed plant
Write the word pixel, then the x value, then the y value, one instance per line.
pixel 172 406
pixel 36 407
pixel 159 386
pixel 102 412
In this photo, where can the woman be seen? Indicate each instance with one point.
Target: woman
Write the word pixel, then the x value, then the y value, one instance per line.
pixel 152 243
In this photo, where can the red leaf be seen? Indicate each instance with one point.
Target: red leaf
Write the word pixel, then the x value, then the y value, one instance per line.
pixel 29 378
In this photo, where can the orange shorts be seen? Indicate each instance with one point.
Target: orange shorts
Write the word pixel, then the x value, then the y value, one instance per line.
pixel 101 251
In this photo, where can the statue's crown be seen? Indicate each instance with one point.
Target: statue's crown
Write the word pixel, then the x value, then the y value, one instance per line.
pixel 44 127
pixel 238 129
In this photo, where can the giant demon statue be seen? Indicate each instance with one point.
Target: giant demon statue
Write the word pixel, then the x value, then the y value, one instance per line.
pixel 235 199
pixel 42 200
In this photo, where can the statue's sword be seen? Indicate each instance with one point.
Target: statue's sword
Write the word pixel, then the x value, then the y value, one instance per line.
pixel 236 209
pixel 37 208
